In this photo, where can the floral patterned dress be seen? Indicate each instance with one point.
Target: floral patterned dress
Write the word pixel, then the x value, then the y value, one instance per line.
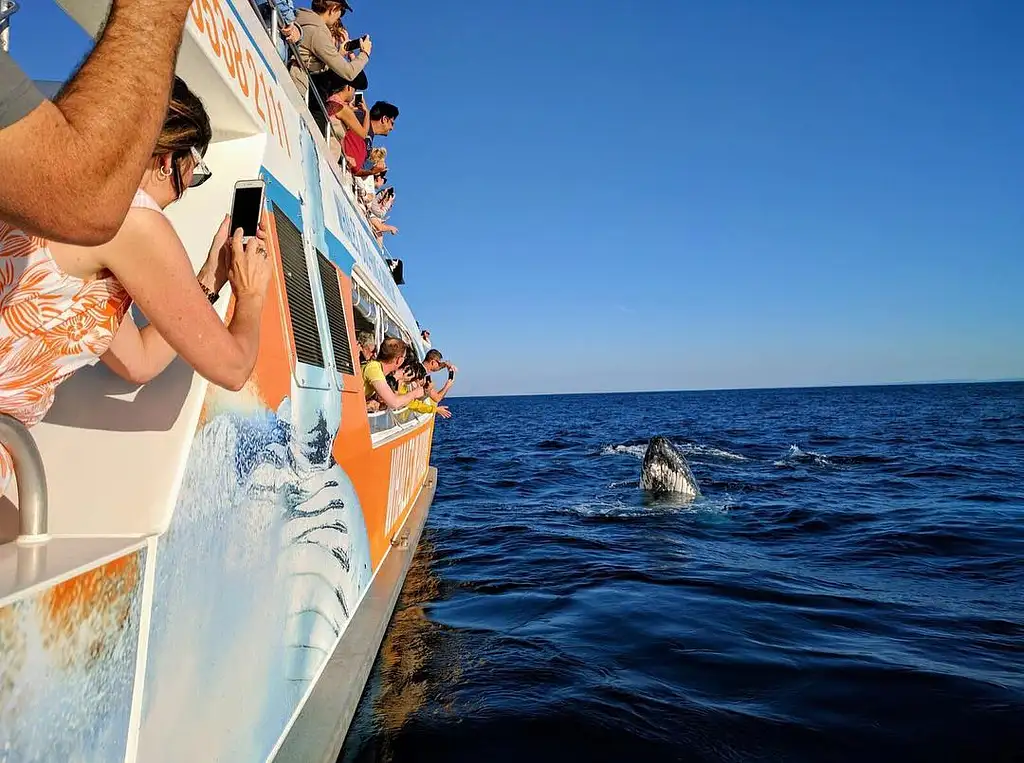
pixel 51 324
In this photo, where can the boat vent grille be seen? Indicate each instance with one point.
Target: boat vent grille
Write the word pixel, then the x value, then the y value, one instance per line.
pixel 335 315
pixel 299 292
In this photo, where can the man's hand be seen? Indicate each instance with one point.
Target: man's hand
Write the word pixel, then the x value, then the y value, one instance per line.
pixel 291 33
pixel 452 370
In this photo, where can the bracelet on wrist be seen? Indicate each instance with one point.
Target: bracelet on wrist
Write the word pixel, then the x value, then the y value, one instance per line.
pixel 211 295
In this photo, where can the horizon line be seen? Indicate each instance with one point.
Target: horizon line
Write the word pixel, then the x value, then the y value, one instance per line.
pixel 931 383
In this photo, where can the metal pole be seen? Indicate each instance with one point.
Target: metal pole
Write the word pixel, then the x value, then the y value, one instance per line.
pixel 7 9
pixel 33 505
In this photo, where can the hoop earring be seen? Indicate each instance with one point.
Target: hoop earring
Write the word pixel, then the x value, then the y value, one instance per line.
pixel 163 174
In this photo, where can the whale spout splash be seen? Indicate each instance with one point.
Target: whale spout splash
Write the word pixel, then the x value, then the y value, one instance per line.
pixel 666 471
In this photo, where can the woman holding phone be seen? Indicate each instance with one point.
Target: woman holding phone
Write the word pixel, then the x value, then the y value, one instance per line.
pixel 63 306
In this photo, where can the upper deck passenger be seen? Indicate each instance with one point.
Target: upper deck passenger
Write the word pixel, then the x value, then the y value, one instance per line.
pixel 71 166
pixel 317 49
pixel 64 306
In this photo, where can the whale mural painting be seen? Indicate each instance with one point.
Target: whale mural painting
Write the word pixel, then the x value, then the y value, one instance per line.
pixel 266 558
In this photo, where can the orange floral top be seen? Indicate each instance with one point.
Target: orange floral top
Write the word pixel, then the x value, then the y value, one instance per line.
pixel 51 324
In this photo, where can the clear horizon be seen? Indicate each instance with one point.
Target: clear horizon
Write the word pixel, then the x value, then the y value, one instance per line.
pixel 696 196
pixel 934 383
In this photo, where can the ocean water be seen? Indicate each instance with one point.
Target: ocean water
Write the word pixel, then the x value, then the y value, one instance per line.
pixel 850 586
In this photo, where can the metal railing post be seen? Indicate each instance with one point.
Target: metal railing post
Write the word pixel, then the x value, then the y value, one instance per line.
pixel 7 9
pixel 275 25
pixel 33 505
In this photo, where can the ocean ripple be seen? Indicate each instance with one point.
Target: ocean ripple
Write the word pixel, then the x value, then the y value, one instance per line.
pixel 848 587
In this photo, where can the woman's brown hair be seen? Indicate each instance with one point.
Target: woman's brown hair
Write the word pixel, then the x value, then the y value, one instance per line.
pixel 186 125
pixel 322 6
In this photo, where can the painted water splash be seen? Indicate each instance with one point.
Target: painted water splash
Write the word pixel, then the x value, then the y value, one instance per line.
pixel 67 664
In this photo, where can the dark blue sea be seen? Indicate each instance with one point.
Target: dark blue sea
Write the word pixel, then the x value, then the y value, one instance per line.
pixel 849 587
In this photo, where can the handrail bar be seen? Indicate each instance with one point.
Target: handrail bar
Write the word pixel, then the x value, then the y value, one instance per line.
pixel 33 502
pixel 7 9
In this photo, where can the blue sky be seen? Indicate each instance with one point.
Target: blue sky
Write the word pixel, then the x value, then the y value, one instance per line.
pixel 678 195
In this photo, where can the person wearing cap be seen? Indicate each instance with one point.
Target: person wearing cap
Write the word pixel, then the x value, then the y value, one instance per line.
pixel 338 94
pixel 317 50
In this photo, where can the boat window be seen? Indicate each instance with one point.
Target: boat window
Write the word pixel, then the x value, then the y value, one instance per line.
pixel 298 291
pixel 391 328
pixel 336 320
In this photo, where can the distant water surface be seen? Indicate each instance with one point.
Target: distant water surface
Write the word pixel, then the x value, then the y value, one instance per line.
pixel 849 587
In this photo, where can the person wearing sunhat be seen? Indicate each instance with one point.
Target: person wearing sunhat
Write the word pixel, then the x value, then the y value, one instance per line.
pixel 317 50
pixel 337 95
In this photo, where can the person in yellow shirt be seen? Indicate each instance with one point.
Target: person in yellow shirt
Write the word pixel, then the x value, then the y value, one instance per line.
pixel 390 357
pixel 413 373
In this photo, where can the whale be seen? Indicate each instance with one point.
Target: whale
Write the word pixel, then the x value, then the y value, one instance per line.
pixel 665 470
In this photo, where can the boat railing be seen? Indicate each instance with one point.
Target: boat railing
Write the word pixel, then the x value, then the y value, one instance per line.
pixel 387 423
pixel 7 9
pixel 33 505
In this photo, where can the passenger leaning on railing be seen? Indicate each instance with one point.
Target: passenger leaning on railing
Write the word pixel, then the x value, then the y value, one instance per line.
pixel 411 373
pixel 367 346
pixel 317 49
pixel 63 307
pixel 390 357
pixel 383 116
pixel 68 168
pixel 433 361
pixel 338 94
pixel 383 199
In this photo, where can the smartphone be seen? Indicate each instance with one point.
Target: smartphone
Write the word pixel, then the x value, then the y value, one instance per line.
pixel 358 101
pixel 247 206
pixel 355 44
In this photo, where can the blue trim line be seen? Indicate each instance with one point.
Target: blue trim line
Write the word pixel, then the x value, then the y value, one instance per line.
pixel 278 194
pixel 256 45
pixel 337 252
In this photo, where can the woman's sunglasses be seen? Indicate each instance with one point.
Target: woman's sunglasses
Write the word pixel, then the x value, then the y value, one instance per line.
pixel 200 172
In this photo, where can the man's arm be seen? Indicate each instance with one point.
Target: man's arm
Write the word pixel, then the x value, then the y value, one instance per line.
pixel 392 400
pixel 437 395
pixel 71 167
pixel 365 173
pixel 321 45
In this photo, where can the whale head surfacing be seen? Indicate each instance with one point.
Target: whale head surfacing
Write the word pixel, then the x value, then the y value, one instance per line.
pixel 666 471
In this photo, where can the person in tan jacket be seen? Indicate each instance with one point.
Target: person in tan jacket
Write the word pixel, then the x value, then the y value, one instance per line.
pixel 317 49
